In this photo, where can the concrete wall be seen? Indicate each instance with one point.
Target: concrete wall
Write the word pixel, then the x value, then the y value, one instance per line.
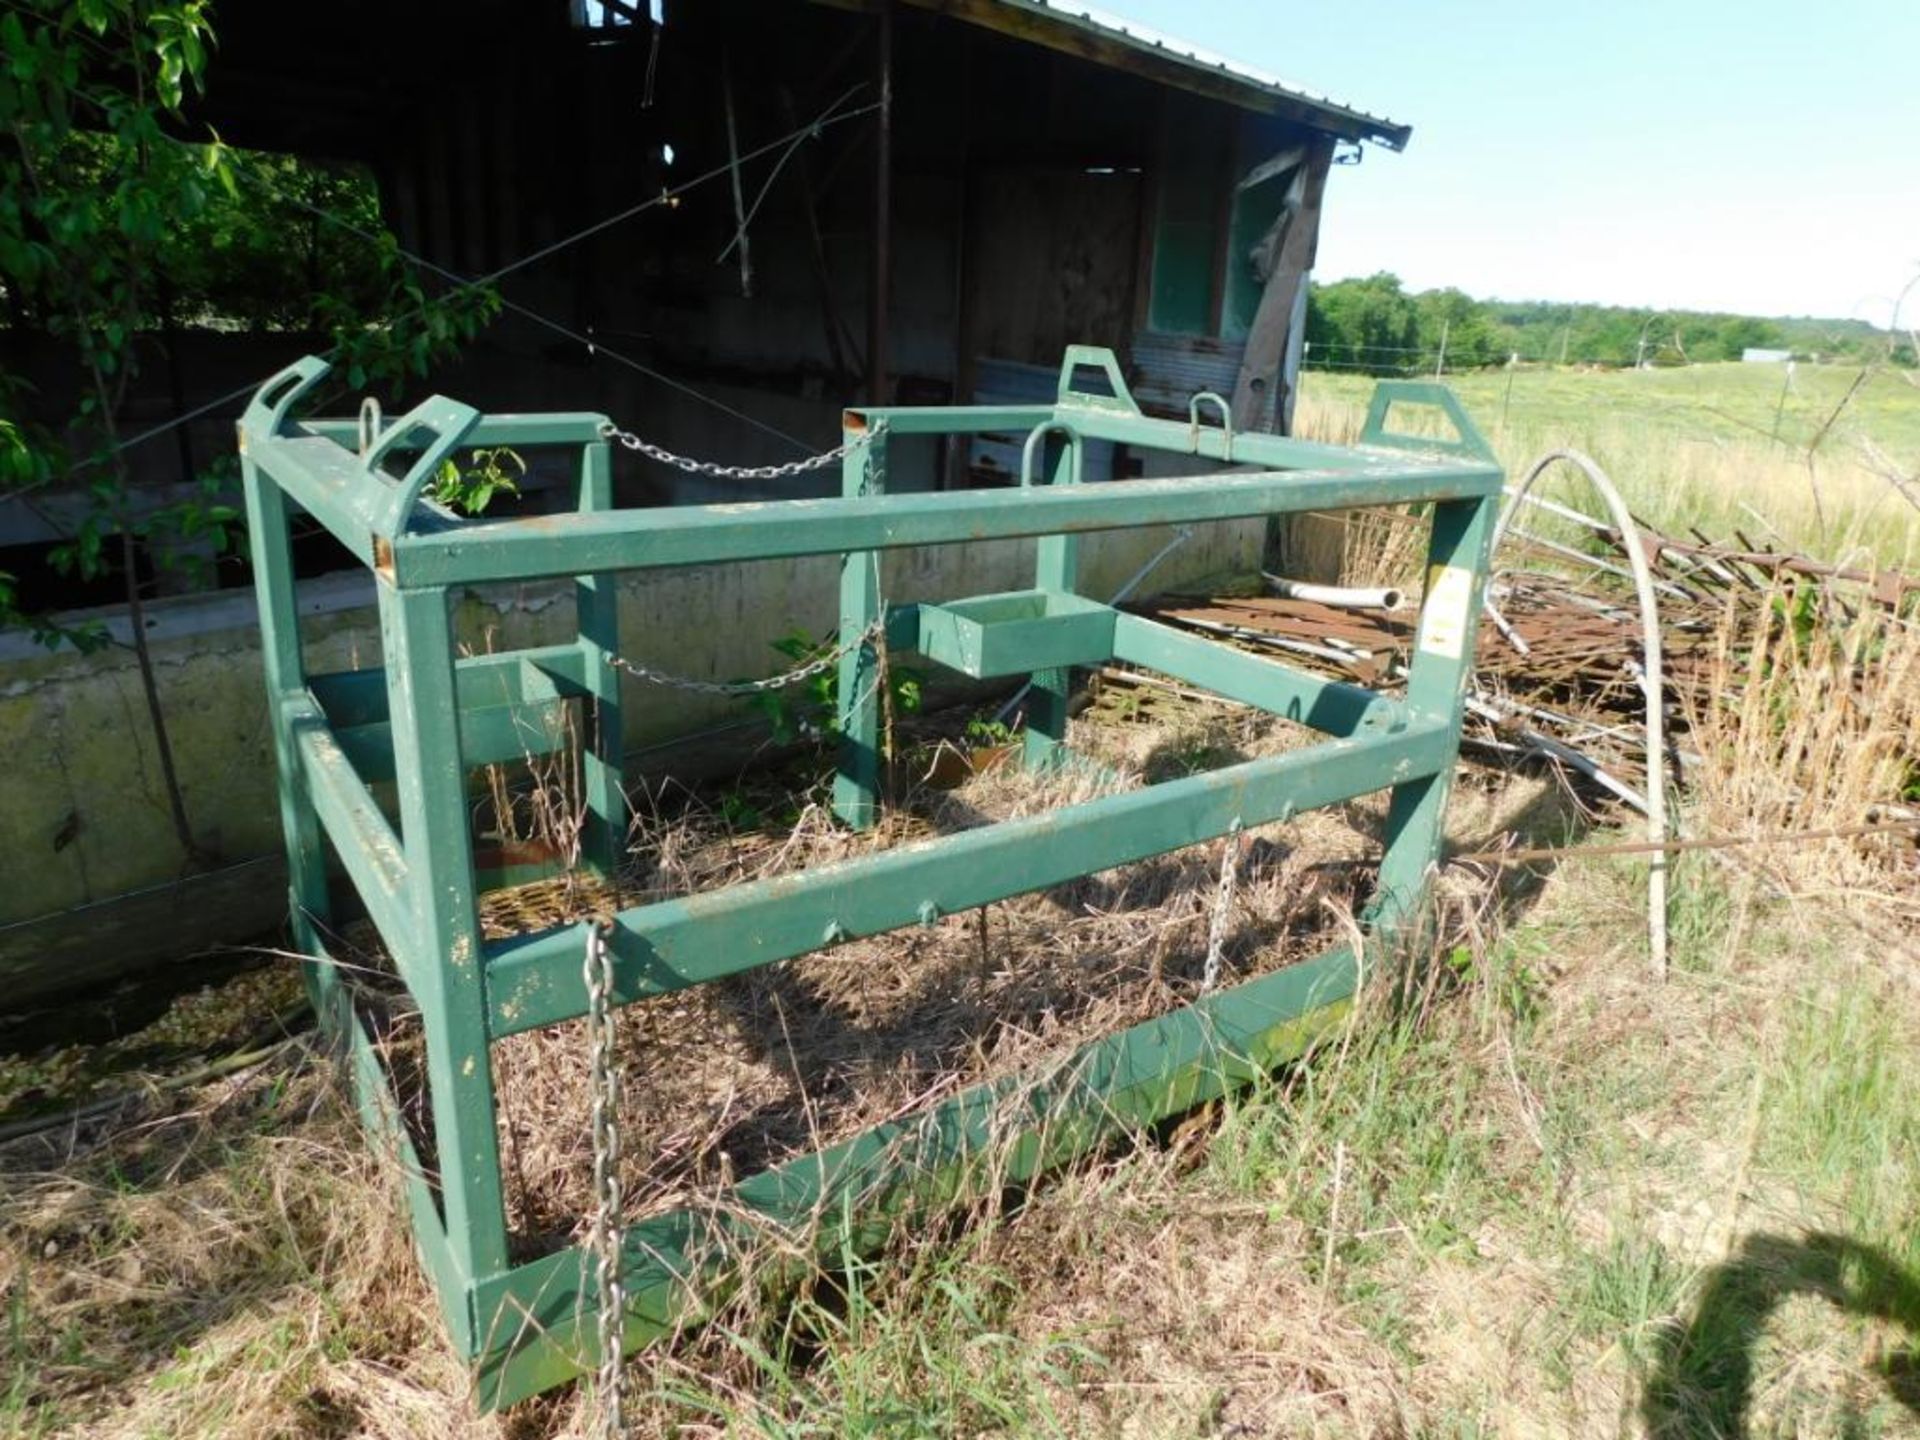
pixel 84 818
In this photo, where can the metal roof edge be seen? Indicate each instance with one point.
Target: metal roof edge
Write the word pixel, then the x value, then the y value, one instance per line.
pixel 1094 34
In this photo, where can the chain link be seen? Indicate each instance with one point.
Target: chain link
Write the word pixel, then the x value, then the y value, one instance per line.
pixel 1222 909
pixel 819 665
pixel 611 431
pixel 604 1240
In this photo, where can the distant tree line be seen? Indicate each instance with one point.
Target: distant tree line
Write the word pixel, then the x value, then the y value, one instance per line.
pixel 1375 326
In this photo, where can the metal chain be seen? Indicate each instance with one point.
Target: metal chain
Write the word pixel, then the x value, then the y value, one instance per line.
pixel 1222 909
pixel 604 1239
pixel 819 665
pixel 611 431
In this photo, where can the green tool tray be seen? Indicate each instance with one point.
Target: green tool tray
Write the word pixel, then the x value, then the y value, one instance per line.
pixel 1016 632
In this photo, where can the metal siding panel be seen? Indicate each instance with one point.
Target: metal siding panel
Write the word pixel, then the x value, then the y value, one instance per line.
pixel 1010 382
pixel 1169 370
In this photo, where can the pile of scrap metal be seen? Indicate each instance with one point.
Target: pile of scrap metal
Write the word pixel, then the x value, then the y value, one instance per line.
pixel 1559 676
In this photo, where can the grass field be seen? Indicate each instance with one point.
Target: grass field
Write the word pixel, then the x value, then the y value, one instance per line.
pixel 1554 1199
pixel 1549 1197
pixel 1719 402
pixel 1725 447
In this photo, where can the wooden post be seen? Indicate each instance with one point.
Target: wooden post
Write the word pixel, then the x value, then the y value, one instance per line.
pixel 878 360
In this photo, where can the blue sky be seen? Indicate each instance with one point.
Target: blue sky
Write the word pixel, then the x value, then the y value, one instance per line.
pixel 1757 157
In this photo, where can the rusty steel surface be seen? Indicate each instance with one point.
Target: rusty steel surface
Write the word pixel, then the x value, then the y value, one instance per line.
pixel 1562 673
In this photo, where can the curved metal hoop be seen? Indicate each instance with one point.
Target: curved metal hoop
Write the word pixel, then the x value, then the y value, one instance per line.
pixel 1033 440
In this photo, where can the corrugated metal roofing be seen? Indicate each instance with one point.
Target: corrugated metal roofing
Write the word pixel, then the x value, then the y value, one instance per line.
pixel 1151 42
pixel 1169 370
pixel 1009 382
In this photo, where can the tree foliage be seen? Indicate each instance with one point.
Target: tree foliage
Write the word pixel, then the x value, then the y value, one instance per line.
pixel 117 229
pixel 1374 324
pixel 114 229
pixel 96 187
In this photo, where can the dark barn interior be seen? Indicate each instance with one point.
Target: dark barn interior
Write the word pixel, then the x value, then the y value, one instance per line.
pixel 939 196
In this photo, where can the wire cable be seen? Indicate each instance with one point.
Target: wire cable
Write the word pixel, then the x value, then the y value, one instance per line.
pixel 588 340
pixel 811 128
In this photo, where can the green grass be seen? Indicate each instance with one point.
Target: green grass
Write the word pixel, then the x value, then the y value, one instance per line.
pixel 1551 1197
pixel 883 1350
pixel 1575 1145
pixel 1697 447
pixel 1718 402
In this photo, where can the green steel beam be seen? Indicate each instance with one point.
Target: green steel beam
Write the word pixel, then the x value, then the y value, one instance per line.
pixel 512 706
pixel 489 735
pixel 1056 569
pixel 596 604
pixel 1329 706
pixel 856 781
pixel 947 419
pixel 324 480
pixel 514 677
pixel 381 1115
pixel 1018 631
pixel 439 945
pixel 850 1196
pixel 1459 549
pixel 553 545
pixel 1468 444
pixel 1093 357
pixel 558 428
pixel 364 841
pixel 1209 442
pixel 283 668
pixel 536 980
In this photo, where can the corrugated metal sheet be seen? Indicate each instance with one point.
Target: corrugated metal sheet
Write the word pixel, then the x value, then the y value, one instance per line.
pixel 1151 42
pixel 1166 372
pixel 1169 370
pixel 1008 382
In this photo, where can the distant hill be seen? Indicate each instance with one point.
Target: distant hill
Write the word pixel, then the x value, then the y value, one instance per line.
pixel 1375 325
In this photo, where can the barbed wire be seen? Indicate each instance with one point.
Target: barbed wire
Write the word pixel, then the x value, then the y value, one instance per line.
pixel 667 196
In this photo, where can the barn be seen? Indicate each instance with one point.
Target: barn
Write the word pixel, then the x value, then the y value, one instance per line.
pixel 718 223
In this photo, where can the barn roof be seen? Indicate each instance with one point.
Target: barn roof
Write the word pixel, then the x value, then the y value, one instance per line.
pixel 1118 43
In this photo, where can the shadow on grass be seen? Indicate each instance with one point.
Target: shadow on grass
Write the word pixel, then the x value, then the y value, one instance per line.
pixel 1703 1384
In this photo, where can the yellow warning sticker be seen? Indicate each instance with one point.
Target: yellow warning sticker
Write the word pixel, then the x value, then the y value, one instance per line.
pixel 1443 619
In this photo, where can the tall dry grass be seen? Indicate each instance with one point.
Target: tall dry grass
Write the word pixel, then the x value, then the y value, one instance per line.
pixel 1832 503
pixel 1452 1228
pixel 239 1267
pixel 1810 720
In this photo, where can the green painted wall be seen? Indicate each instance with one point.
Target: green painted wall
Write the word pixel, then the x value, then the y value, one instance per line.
pixel 1186 221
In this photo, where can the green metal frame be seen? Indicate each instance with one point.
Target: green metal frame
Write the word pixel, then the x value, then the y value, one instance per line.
pixel 429 718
